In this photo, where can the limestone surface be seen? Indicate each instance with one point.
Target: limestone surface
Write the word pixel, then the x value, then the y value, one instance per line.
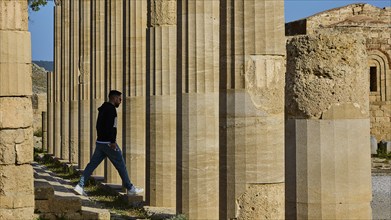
pixel 326 70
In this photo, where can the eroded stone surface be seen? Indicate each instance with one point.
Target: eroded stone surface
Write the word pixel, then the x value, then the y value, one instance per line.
pixel 15 112
pixel 163 12
pixel 16 186
pixel 324 70
pixel 261 201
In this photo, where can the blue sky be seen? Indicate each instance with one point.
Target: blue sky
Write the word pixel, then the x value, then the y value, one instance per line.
pixel 41 23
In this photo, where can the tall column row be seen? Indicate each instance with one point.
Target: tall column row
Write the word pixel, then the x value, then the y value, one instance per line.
pixel 201 124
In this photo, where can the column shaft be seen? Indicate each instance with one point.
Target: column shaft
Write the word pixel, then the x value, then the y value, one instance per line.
pixel 74 83
pixel 252 109
pixel 114 67
pixel 135 80
pixel 57 81
pixel 50 112
pixel 328 166
pixel 65 75
pixel 161 93
pixel 84 84
pixel 97 70
pixel 16 123
pixel 198 116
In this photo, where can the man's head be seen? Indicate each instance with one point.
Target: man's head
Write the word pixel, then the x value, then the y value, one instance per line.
pixel 115 97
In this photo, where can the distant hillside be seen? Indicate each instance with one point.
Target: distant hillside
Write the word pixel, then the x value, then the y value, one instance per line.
pixel 47 65
pixel 39 79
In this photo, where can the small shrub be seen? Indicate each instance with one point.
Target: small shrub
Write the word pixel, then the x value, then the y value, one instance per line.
pixel 38 133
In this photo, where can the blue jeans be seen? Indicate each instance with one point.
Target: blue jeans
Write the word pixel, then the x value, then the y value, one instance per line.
pixel 115 156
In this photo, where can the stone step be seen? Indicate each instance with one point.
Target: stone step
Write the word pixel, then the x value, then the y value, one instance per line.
pixel 55 199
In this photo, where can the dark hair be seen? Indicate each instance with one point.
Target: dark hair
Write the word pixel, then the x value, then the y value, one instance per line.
pixel 114 93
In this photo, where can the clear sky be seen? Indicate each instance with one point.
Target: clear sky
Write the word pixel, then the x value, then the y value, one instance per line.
pixel 41 23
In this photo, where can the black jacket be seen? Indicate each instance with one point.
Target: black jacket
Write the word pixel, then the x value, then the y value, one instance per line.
pixel 106 125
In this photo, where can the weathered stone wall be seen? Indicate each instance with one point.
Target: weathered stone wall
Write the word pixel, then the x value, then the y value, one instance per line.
pixel 380 115
pixel 16 133
pixel 375 25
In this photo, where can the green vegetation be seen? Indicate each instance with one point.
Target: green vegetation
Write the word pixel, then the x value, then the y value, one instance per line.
pixel 38 133
pixel 382 151
pixel 35 5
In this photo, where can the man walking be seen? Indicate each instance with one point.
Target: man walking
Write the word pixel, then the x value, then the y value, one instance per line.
pixel 106 145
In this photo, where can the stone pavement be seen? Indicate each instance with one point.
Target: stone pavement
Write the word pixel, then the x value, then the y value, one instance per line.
pixel 381 188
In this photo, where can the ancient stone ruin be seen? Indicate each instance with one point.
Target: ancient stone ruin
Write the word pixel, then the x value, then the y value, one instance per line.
pixel 16 124
pixel 218 112
pixel 375 25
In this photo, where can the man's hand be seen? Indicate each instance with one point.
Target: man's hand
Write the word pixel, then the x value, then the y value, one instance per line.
pixel 113 146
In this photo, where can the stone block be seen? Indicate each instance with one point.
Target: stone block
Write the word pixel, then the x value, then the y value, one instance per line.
pixel 262 201
pixel 16 190
pixel 344 111
pixel 13 15
pixel 15 112
pixel 136 199
pixel 64 204
pixel 42 205
pixel 43 190
pixel 163 12
pixel 332 168
pixel 17 214
pixel 334 211
pixel 373 145
pixel 15 47
pixel 94 213
pixel 15 79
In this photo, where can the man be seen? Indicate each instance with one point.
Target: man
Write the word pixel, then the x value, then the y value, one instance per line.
pixel 106 145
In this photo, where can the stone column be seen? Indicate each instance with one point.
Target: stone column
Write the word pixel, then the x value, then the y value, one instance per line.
pixel 161 120
pixel 328 167
pixel 57 81
pixel 98 70
pixel 84 84
pixel 74 83
pixel 135 91
pixel 44 131
pixel 65 75
pixel 198 109
pixel 16 131
pixel 50 113
pixel 114 71
pixel 252 109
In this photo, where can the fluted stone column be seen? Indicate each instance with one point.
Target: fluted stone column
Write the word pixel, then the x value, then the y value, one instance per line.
pixel 98 70
pixel 161 135
pixel 252 109
pixel 57 80
pixel 328 167
pixel 50 113
pixel 198 113
pixel 135 91
pixel 74 83
pixel 16 125
pixel 84 84
pixel 44 131
pixel 114 67
pixel 65 71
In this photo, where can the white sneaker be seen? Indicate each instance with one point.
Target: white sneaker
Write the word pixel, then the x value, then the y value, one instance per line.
pixel 80 190
pixel 134 190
